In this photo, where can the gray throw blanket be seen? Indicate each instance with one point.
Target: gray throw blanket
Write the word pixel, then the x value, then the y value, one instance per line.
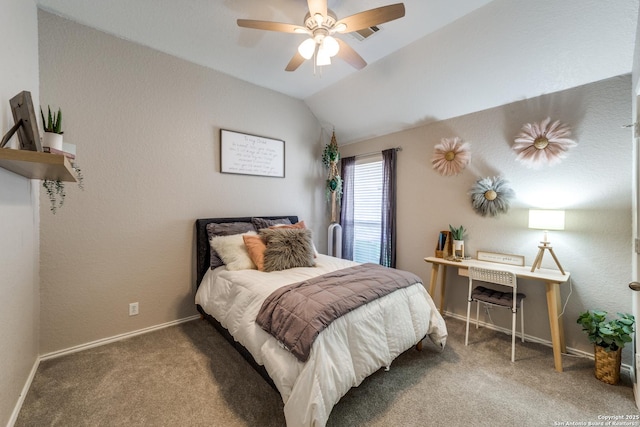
pixel 297 313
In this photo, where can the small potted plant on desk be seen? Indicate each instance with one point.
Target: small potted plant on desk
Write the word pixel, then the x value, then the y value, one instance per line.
pixel 608 338
pixel 457 234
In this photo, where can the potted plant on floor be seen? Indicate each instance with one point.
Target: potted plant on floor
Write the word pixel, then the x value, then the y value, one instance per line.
pixel 608 338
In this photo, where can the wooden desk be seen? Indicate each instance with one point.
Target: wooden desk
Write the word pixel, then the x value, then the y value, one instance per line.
pixel 552 279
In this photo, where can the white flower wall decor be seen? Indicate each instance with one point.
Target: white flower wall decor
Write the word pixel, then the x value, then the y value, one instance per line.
pixel 543 143
pixel 451 156
pixel 491 196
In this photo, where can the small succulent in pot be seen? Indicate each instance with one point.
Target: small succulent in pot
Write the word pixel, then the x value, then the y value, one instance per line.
pixel 457 233
pixel 54 122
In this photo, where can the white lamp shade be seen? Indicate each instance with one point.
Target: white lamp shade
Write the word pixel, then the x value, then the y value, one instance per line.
pixel 322 58
pixel 546 219
pixel 330 46
pixel 307 48
pixel 341 27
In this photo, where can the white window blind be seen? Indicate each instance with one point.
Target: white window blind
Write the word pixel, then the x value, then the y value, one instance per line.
pixel 367 215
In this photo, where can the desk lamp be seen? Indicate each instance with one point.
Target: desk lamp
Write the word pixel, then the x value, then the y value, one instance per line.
pixel 546 220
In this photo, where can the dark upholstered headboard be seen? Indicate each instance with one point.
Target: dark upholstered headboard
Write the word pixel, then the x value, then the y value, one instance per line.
pixel 202 239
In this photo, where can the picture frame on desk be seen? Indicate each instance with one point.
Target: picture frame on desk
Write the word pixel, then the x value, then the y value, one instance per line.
pixel 509 259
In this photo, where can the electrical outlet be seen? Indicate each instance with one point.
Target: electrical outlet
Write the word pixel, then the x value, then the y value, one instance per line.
pixel 133 309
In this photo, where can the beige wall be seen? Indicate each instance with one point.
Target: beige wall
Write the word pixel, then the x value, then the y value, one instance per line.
pixel 19 315
pixel 593 184
pixel 146 126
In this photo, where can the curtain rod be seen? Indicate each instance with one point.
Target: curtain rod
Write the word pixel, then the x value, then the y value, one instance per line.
pixel 372 153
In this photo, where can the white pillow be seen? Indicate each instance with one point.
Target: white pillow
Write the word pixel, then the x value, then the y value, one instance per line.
pixel 233 251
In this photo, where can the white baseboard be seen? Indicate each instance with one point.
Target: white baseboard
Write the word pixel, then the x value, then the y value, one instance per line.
pixel 75 349
pixel 23 393
pixel 570 351
pixel 115 338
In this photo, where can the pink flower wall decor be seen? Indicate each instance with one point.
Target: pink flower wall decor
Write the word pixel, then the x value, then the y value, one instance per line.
pixel 543 143
pixel 451 156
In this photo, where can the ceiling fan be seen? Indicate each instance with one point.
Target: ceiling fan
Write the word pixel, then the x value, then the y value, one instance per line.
pixel 320 24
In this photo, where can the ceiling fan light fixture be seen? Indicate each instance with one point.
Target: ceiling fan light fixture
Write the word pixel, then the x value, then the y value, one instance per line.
pixel 307 48
pixel 322 58
pixel 322 23
pixel 330 46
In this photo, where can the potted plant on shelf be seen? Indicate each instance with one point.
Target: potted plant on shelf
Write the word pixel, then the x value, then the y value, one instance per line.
pixel 52 129
pixel 608 338
pixel 457 234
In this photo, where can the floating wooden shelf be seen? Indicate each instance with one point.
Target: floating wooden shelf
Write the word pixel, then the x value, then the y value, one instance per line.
pixel 37 165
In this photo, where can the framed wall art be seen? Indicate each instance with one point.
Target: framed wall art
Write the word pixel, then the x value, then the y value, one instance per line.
pixel 245 154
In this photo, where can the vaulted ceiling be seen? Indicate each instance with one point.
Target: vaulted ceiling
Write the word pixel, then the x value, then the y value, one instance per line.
pixel 443 59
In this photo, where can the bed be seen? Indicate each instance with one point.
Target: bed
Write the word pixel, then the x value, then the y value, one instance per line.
pixel 349 349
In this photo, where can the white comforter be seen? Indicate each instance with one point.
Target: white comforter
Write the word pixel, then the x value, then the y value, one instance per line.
pixel 351 348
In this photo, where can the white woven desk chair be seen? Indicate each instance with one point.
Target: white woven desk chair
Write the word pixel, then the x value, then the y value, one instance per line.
pixel 511 299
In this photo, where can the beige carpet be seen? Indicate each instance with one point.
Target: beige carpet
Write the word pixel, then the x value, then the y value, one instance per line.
pixel 188 375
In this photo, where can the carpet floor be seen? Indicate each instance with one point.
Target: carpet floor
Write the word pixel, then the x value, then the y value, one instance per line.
pixel 188 375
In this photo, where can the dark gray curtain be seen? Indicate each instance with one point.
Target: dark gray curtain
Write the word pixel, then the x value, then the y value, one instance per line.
pixel 347 170
pixel 388 234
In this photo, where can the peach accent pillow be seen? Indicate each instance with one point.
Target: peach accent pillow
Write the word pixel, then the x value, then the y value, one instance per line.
pixel 255 247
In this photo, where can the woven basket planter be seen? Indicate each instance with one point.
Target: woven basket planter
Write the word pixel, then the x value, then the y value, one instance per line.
pixel 607 364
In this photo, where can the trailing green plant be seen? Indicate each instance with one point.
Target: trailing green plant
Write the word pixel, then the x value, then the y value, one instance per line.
pixel 330 158
pixel 334 185
pixel 56 191
pixel 330 155
pixel 609 334
pixel 53 122
pixel 457 233
pixel 79 176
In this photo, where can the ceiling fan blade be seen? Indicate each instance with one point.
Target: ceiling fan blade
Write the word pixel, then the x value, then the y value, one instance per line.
pixel 347 54
pixel 271 26
pixel 295 62
pixel 372 17
pixel 317 6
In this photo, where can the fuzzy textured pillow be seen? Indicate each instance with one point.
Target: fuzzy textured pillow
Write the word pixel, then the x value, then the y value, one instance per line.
pixel 233 252
pixel 299 224
pixel 256 247
pixel 287 248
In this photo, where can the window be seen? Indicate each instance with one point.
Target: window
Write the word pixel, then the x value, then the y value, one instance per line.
pixel 367 208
